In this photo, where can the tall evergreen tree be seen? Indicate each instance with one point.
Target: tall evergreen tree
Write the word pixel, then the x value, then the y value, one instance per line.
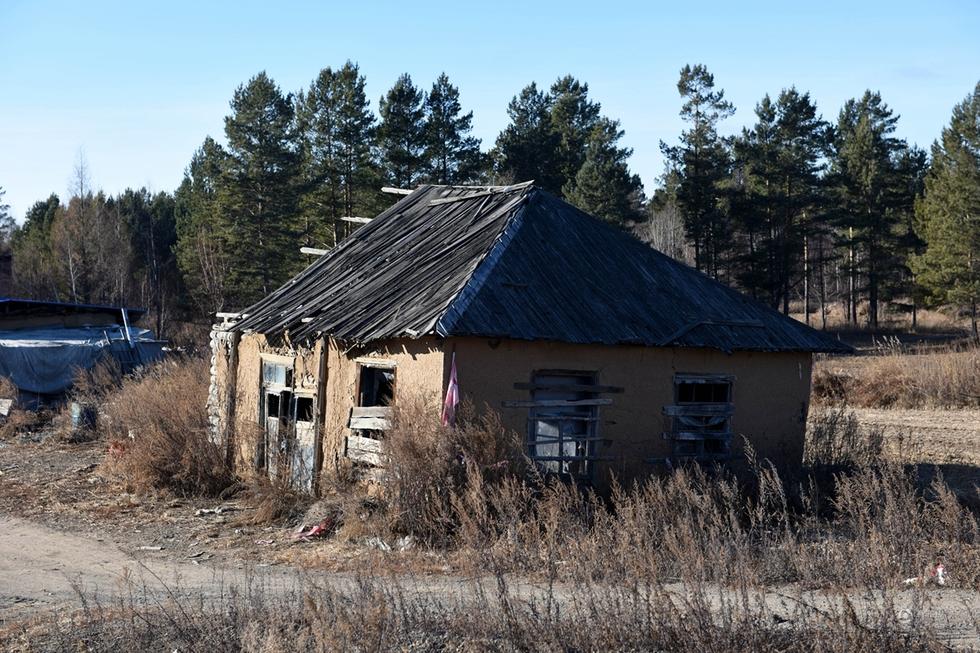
pixel 574 117
pixel 603 185
pixel 33 270
pixel 152 231
pixel 782 160
pixel 401 134
pixel 452 154
pixel 948 214
pixel 340 175
pixel 528 147
pixel 7 224
pixel 259 191
pixel 869 192
pixel 202 251
pixel 703 161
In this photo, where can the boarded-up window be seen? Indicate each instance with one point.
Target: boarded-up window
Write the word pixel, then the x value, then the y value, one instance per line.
pixel 700 417
pixel 372 415
pixel 562 420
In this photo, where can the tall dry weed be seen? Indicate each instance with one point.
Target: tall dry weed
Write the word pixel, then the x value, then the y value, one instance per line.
pixel 898 379
pixel 159 432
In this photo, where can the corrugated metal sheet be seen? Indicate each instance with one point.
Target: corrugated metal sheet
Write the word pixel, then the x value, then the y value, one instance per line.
pixel 517 263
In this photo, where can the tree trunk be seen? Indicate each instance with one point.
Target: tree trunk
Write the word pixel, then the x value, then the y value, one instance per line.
pixel 806 279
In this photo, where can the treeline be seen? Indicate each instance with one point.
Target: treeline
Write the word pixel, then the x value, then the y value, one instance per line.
pixel 794 210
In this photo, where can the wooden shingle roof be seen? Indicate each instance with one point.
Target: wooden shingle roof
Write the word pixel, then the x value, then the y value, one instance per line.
pixel 515 262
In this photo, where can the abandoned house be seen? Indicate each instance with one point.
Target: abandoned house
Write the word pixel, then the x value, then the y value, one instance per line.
pixel 608 355
pixel 44 343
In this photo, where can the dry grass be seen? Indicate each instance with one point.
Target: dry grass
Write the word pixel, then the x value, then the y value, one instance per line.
pixel 383 615
pixel 158 431
pixel 895 379
pixel 856 522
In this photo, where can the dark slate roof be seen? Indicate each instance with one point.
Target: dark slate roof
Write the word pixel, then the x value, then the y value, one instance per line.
pixel 16 307
pixel 515 262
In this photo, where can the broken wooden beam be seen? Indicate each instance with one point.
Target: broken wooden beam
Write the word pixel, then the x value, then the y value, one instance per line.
pixel 396 191
pixel 568 387
pixel 552 403
pixel 355 219
pixel 313 251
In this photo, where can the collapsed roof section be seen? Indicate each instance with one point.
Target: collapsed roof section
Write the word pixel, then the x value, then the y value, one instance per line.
pixel 515 262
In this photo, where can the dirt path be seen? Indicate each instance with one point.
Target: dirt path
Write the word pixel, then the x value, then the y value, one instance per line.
pixel 41 567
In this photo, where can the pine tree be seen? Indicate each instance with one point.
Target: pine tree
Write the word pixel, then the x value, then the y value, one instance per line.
pixel 782 160
pixel 703 162
pixel 340 175
pixel 528 147
pixel 869 193
pixel 259 191
pixel 401 134
pixel 948 214
pixel 202 251
pixel 452 154
pixel 33 269
pixel 7 224
pixel 574 117
pixel 604 185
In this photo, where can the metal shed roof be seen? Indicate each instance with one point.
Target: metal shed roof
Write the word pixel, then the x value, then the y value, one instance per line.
pixel 516 262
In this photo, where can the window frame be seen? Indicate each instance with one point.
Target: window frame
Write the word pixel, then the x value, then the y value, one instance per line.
pixel 701 431
pixel 585 443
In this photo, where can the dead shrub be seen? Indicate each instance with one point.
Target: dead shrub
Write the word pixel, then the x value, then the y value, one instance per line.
pixel 7 389
pixel 428 465
pixel 273 501
pixel 159 431
pixel 834 437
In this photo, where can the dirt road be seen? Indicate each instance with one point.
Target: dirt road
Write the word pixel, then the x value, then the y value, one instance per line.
pixel 41 570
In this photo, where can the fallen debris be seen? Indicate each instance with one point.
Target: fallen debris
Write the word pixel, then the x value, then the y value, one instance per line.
pixel 937 575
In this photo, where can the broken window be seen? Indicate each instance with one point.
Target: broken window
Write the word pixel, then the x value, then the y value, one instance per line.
pixel 372 415
pixel 376 387
pixel 563 413
pixel 700 418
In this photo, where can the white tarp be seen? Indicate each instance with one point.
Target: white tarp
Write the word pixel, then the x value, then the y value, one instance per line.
pixel 45 360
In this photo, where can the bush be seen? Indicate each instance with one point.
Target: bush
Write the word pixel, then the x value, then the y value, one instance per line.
pixel 159 431
pixel 429 465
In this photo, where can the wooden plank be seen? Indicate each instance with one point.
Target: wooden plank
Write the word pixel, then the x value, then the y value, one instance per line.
pixel 371 411
pixel 570 387
pixel 463 198
pixel 364 444
pixel 554 439
pixel 369 423
pixel 684 377
pixel 555 403
pixel 364 450
pixel 396 191
pixel 376 362
pixel 356 220
pixel 313 251
pixel 699 410
pixel 698 435
pixel 568 458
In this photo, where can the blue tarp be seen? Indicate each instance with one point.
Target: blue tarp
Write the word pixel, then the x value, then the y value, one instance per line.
pixel 45 360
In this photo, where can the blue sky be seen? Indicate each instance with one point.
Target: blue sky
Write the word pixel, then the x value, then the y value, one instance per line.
pixel 137 86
